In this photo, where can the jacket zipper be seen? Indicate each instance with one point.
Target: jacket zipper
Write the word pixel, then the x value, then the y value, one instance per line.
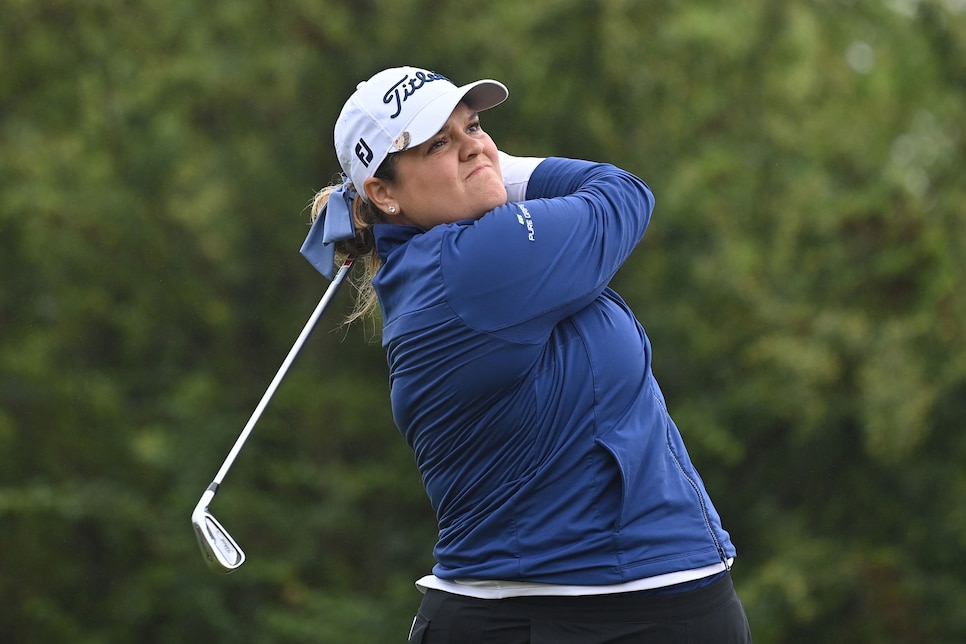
pixel 696 488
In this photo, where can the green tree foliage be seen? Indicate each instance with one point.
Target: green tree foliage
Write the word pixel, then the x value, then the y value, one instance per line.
pixel 803 283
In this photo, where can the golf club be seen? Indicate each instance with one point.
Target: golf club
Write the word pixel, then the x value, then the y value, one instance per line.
pixel 223 553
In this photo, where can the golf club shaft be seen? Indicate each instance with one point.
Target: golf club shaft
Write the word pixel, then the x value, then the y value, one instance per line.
pixel 299 342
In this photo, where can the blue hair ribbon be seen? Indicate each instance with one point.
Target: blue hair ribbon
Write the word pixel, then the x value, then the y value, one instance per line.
pixel 333 224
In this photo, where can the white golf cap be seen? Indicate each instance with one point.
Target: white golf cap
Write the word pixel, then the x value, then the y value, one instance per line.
pixel 399 108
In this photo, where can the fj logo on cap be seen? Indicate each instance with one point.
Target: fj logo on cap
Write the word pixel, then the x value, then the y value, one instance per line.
pixel 364 152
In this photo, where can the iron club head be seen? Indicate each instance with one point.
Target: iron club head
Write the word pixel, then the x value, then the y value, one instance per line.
pixel 221 552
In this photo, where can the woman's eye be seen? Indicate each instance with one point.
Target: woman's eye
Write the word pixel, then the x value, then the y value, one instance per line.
pixel 436 144
pixel 474 127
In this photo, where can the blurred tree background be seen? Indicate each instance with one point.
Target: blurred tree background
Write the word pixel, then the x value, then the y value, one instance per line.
pixel 802 281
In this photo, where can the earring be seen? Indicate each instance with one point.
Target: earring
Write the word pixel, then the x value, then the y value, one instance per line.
pixel 392 210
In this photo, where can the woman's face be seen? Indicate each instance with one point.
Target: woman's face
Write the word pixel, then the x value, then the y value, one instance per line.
pixel 454 175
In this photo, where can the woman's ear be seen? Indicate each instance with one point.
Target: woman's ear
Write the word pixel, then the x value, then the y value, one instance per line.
pixel 381 196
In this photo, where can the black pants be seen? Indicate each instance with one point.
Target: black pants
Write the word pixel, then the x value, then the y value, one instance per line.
pixel 710 614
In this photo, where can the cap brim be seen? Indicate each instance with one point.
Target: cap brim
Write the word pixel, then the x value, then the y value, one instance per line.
pixel 484 94
pixel 479 96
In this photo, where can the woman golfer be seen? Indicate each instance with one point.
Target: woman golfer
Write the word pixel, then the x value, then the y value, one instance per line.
pixel 568 508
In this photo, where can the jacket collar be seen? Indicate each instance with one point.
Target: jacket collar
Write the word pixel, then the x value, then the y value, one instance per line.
pixel 389 237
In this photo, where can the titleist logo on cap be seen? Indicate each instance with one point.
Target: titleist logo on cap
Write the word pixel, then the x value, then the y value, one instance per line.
pixel 406 87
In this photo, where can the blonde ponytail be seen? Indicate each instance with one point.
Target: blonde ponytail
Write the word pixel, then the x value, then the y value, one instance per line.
pixel 362 249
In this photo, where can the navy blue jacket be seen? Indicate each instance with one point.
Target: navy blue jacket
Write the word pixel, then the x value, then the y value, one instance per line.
pixel 523 384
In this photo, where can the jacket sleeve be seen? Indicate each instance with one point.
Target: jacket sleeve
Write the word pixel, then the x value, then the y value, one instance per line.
pixel 523 267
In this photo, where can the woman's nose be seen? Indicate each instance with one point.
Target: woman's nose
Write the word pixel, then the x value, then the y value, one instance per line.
pixel 470 146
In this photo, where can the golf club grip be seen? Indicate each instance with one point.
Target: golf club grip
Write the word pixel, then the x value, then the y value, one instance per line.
pixel 289 359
